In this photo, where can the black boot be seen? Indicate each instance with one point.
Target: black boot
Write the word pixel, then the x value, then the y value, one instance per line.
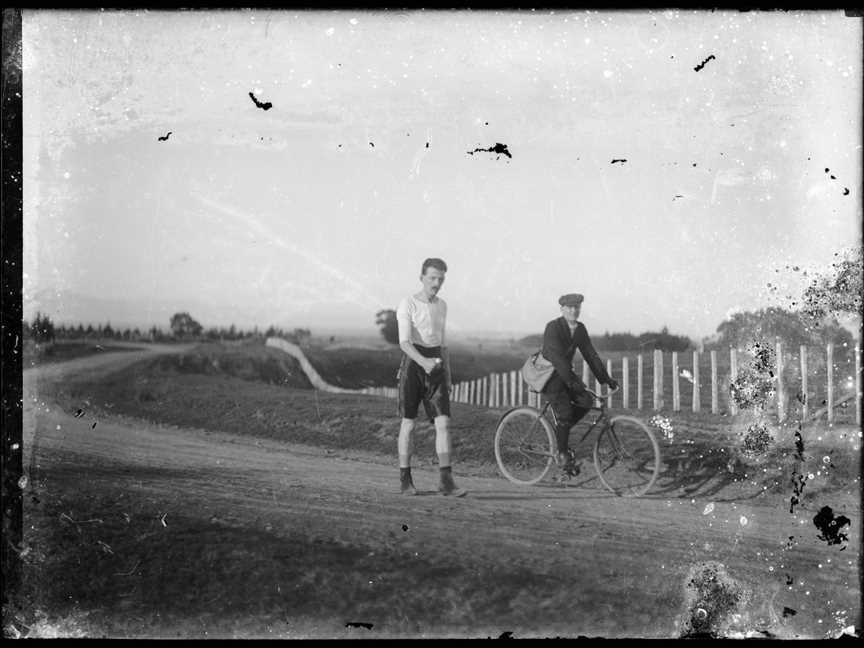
pixel 407 482
pixel 447 486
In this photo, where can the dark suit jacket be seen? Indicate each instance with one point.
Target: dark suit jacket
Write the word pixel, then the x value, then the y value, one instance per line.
pixel 559 349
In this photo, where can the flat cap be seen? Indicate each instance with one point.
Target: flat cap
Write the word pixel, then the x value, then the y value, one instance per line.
pixel 573 299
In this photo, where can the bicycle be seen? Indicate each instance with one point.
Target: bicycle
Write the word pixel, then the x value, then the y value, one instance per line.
pixel 626 454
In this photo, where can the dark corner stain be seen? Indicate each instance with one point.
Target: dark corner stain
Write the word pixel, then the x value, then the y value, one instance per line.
pixel 427 144
pixel 787 612
pixel 616 160
pixel 677 196
pixel 672 57
pixel 499 148
pixel 340 146
pixel 845 191
pixel 798 480
pixel 712 596
pixel 371 144
pixel 165 137
pixel 93 426
pixel 359 624
pixel 830 527
pixel 404 527
pixel 506 635
pixel 757 439
pixel 827 169
pixel 694 164
pixel 799 445
pixel 789 579
pixel 702 64
pixel 79 413
pixel 263 106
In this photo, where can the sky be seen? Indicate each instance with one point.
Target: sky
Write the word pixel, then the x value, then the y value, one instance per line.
pixel 666 164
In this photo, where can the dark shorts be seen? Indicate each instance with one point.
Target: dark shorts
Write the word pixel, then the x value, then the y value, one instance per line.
pixel 416 386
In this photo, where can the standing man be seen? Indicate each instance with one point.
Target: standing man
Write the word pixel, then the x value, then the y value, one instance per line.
pixel 424 374
pixel 565 390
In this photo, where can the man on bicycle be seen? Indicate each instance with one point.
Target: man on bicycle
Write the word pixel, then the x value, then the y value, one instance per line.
pixel 424 374
pixel 565 390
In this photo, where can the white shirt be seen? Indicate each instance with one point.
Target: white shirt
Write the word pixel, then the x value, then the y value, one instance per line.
pixel 422 322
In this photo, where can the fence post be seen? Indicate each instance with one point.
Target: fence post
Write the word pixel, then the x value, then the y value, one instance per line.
pixel 830 367
pixel 733 375
pixel 658 379
pixel 625 381
pixel 715 400
pixel 781 404
pixel 609 371
pixel 493 392
pixel 496 389
pixel 697 396
pixel 639 381
pixel 520 389
pixel 858 384
pixel 662 400
pixel 803 397
pixel 676 392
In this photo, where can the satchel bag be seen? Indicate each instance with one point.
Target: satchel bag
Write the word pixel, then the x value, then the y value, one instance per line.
pixel 537 371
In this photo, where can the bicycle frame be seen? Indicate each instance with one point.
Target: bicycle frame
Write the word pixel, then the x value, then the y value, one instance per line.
pixel 594 408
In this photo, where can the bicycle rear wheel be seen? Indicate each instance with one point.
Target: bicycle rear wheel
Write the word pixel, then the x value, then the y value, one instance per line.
pixel 627 457
pixel 524 446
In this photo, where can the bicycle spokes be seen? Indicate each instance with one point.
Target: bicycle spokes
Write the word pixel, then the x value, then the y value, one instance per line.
pixel 627 457
pixel 523 446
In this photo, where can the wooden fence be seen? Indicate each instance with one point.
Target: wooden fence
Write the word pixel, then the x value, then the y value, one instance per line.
pixel 796 383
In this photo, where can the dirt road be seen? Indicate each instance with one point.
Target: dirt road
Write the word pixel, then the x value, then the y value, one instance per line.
pixel 543 561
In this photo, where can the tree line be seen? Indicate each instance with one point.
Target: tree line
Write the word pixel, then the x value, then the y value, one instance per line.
pixel 181 326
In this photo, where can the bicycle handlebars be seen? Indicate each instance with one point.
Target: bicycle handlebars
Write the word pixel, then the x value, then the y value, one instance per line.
pixel 601 397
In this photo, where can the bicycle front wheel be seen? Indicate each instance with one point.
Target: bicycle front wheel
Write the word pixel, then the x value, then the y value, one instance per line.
pixel 524 446
pixel 627 457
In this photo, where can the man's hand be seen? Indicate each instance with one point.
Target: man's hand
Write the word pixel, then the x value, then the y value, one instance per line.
pixel 431 364
pixel 612 384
